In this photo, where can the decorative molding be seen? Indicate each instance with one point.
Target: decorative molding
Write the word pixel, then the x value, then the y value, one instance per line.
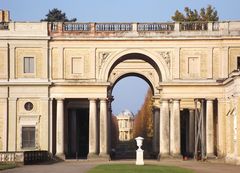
pixel 166 56
pixel 102 58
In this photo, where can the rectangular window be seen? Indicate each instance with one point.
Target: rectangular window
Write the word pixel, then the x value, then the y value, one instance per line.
pixel 28 64
pixel 28 137
pixel 238 62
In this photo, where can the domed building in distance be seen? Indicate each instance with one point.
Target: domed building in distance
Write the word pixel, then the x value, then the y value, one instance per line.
pixel 125 123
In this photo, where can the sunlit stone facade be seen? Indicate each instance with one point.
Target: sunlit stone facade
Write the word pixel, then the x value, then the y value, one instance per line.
pixel 56 82
pixel 125 125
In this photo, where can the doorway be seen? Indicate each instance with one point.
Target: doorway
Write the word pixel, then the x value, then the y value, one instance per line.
pixel 78 133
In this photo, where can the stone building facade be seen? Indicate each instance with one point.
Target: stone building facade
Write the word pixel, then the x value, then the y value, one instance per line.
pixel 56 81
pixel 125 125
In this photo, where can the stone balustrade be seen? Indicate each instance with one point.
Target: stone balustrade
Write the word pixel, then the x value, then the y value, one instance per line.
pixel 118 27
pixel 123 30
pixel 4 26
pixel 26 157
pixel 11 157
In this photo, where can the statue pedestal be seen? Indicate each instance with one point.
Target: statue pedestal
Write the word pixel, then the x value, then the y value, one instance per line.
pixel 139 157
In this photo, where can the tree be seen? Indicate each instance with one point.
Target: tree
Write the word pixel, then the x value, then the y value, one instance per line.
pixel 205 14
pixel 143 123
pixel 56 15
pixel 114 131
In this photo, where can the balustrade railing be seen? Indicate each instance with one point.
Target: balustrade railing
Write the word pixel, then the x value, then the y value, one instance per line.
pixel 155 27
pixel 11 157
pixel 54 27
pixel 76 27
pixel 27 157
pixel 4 26
pixel 140 27
pixel 193 26
pixel 215 26
pixel 113 26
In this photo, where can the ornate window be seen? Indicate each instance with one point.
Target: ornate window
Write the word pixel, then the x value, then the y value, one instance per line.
pixel 28 137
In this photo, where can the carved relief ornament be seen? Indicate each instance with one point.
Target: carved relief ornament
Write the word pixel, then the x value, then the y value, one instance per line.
pixel 166 56
pixel 102 57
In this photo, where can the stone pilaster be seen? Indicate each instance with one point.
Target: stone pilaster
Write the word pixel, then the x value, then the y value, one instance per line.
pixel 103 129
pixel 221 128
pixel 60 128
pixel 156 119
pixel 209 129
pixel 164 129
pixel 175 129
pixel 4 114
pixel 12 125
pixel 93 133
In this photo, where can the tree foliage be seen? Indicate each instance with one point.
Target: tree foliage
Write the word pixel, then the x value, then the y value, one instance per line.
pixel 143 123
pixel 114 131
pixel 205 14
pixel 56 15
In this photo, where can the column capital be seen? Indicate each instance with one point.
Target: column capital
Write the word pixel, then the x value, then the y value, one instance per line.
pixel 59 99
pixel 12 99
pixel 92 99
pixel 176 100
pixel 191 110
pixel 164 100
pixel 103 99
pixel 210 99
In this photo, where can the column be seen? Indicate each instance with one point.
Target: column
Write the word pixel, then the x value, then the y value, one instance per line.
pixel 103 129
pixel 60 128
pixel 191 142
pixel 12 126
pixel 50 126
pixel 175 128
pixel 164 129
pixel 92 128
pixel 156 117
pixel 209 129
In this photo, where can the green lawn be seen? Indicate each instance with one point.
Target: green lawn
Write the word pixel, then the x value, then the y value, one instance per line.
pixel 7 166
pixel 127 168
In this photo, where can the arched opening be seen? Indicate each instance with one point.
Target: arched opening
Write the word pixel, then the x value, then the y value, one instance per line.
pixel 131 116
pixel 133 66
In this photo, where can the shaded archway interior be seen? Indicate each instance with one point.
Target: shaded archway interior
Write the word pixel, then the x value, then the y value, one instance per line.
pixel 137 56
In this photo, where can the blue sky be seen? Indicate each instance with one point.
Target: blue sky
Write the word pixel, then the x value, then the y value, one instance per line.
pixel 125 93
pixel 115 10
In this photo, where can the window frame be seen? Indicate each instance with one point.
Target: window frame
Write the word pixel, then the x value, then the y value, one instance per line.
pixel 28 145
pixel 29 69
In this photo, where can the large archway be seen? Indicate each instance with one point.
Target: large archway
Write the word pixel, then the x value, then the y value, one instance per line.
pixel 144 67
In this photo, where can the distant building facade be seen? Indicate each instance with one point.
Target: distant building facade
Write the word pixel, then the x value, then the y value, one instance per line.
pixel 56 81
pixel 125 125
